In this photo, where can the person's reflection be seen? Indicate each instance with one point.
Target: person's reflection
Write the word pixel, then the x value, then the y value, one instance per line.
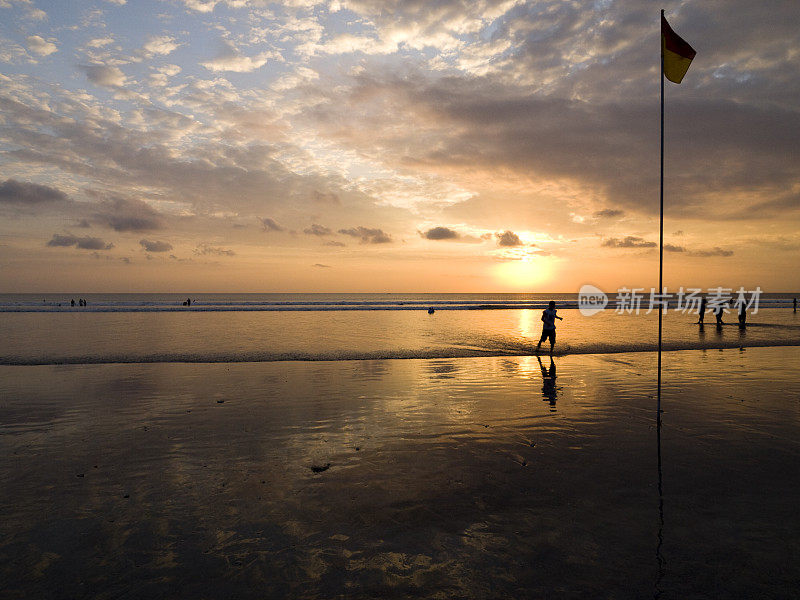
pixel 549 390
pixel 702 332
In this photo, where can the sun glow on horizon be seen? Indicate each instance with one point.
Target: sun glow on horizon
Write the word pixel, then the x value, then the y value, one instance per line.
pixel 527 273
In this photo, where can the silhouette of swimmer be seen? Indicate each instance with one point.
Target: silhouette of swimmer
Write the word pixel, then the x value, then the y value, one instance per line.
pixel 795 305
pixel 702 310
pixel 549 390
pixel 72 302
pixel 549 317
pixel 188 302
pixel 431 311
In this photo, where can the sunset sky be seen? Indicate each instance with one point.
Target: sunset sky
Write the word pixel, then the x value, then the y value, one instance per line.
pixel 394 146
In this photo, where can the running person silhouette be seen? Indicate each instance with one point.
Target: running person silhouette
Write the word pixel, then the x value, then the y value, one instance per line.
pixel 549 317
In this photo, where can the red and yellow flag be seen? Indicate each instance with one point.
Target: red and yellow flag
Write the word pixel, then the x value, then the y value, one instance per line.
pixel 676 54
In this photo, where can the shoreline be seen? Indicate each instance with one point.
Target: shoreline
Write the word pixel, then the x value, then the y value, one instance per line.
pixel 378 355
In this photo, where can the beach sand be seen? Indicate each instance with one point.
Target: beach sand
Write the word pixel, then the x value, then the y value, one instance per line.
pixel 439 478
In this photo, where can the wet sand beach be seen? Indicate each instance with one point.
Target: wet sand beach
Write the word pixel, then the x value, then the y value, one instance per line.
pixel 439 478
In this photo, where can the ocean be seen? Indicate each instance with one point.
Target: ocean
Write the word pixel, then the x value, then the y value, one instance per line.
pixel 113 328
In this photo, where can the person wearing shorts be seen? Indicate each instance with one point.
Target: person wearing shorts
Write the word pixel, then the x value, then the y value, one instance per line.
pixel 549 317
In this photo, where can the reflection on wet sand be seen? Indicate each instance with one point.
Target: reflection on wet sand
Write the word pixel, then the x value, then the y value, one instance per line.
pixel 359 480
pixel 549 390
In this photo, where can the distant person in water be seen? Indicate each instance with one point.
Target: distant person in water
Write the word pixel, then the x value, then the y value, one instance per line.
pixel 72 302
pixel 742 316
pixel 549 317
pixel 795 305
pixel 188 302
pixel 702 310
pixel 718 315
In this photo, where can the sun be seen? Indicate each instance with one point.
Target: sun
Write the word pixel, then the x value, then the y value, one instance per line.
pixel 527 273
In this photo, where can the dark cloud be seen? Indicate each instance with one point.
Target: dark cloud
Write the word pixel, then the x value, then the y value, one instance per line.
pixel 155 246
pixel 715 144
pixel 321 266
pixel 102 75
pixel 630 241
pixel 270 225
pixel 206 249
pixel 440 233
pixel 318 230
pixel 715 251
pixel 368 235
pixel 124 214
pixel 335 243
pixel 84 243
pixel 508 238
pixel 674 248
pixel 608 213
pixel 21 192
pixel 325 198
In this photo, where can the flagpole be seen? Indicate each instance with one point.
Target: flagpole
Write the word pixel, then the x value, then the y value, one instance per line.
pixel 659 546
pixel 661 235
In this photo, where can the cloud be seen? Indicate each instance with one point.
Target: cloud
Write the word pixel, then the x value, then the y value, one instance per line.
pixel 318 230
pixel 508 238
pixel 155 246
pixel 335 244
pixel 673 248
pixel 36 14
pixel 368 235
pixel 630 241
pixel 230 59
pixel 320 265
pixel 122 214
pixel 440 233
pixel 204 6
pixel 608 213
pixel 161 77
pixel 204 248
pixel 270 225
pixel 84 243
pixel 24 193
pixel 100 42
pixel 104 76
pixel 38 45
pixel 159 44
pixel 715 251
pixel 326 197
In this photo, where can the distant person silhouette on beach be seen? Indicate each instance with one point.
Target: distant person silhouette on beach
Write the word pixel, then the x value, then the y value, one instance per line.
pixel 795 305
pixel 718 315
pixel 549 390
pixel 742 316
pixel 549 317
pixel 702 310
